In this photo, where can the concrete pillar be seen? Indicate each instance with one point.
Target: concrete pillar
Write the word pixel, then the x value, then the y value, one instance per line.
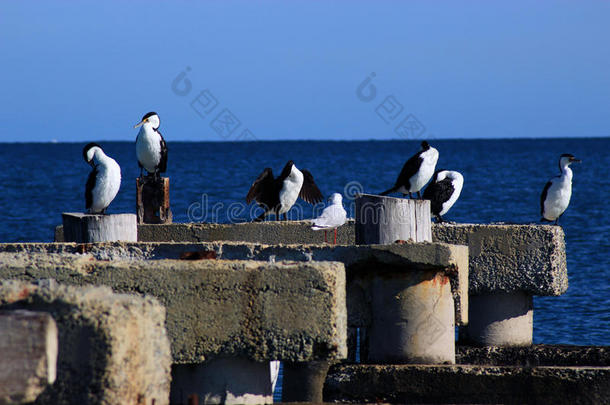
pixel 86 228
pixel 228 380
pixel 500 319
pixel 413 319
pixel 304 382
pixel 384 220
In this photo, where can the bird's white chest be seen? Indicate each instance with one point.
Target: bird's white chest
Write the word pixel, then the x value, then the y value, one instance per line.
pixel 291 187
pixel 148 148
pixel 558 197
pixel 107 184
pixel 425 172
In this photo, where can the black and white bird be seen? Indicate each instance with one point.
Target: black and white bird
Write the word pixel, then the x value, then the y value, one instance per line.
pixel 278 195
pixel 416 172
pixel 556 194
pixel 443 192
pixel 151 148
pixel 332 217
pixel 104 180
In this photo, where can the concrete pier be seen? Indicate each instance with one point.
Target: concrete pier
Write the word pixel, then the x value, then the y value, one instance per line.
pixel 503 259
pixel 504 266
pixel 509 265
pixel 245 312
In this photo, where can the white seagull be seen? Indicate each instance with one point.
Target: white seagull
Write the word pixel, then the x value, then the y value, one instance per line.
pixel 556 194
pixel 151 148
pixel 443 192
pixel 278 195
pixel 416 172
pixel 104 180
pixel 332 217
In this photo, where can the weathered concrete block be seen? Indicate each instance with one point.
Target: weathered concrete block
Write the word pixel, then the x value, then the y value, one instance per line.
pixel 535 356
pixel 359 260
pixel 467 384
pixel 505 258
pixel 257 310
pixel 113 348
pixel 511 258
pixel 28 355
pixel 269 232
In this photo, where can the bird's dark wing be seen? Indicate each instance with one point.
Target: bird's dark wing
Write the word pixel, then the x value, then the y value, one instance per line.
pixel 543 196
pixel 438 192
pixel 89 188
pixel 263 185
pixel 309 191
pixel 163 161
pixel 409 169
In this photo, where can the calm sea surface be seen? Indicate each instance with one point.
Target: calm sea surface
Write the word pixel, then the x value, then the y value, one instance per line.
pixel 503 181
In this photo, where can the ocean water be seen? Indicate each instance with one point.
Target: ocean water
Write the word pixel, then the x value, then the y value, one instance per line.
pixel 209 181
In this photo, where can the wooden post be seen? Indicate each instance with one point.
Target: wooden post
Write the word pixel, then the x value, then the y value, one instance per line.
pixel 152 200
pixel 86 228
pixel 384 220
pixel 28 355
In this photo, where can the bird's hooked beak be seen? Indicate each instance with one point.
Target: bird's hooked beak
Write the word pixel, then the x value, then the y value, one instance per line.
pixel 574 160
pixel 140 123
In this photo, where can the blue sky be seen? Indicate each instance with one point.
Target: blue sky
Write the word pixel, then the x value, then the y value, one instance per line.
pixel 290 70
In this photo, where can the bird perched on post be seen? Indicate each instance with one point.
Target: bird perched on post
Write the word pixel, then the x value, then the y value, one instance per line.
pixel 443 192
pixel 104 180
pixel 416 171
pixel 278 195
pixel 151 148
pixel 332 217
pixel 556 194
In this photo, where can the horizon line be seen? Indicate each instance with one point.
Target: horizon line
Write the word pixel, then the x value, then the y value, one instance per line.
pixel 324 140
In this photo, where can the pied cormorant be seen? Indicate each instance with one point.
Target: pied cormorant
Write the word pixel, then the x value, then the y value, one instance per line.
pixel 104 180
pixel 278 195
pixel 443 192
pixel 151 149
pixel 416 172
pixel 556 194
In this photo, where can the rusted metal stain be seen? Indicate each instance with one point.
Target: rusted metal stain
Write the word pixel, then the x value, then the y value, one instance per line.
pixel 23 293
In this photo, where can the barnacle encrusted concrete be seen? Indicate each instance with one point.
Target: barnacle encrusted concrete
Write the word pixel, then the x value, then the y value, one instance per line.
pixel 359 383
pixel 511 258
pixel 503 257
pixel 293 311
pixel 359 261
